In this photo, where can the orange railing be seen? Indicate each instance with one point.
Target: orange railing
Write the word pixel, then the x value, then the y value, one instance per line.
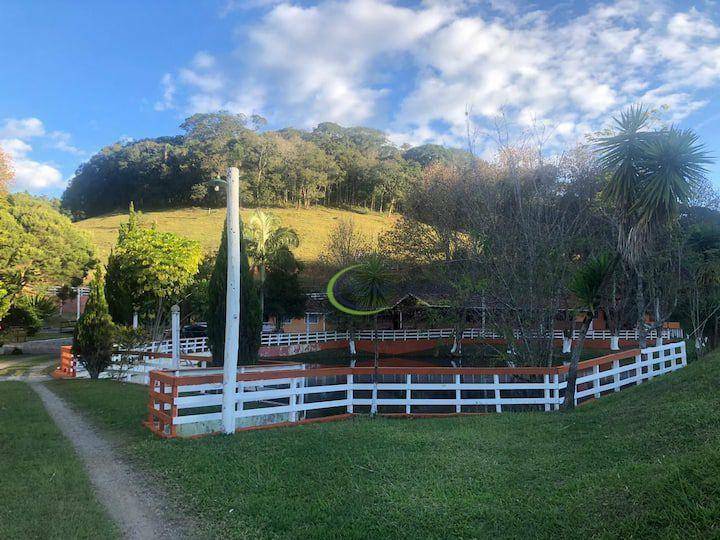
pixel 68 365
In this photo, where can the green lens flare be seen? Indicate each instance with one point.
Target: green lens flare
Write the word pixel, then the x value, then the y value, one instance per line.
pixel 334 301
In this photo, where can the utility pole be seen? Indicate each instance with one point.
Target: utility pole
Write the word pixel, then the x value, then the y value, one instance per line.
pixel 232 302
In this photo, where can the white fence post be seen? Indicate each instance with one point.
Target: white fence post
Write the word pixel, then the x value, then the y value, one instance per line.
pixel 408 393
pixel 596 380
pixel 458 394
pixel 496 382
pixel 616 376
pixel 546 392
pixel 556 384
pixel 350 393
pixel 175 333
pixel 293 400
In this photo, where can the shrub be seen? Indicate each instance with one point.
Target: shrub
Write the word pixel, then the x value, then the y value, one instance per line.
pixel 22 316
pixel 250 318
pixel 94 332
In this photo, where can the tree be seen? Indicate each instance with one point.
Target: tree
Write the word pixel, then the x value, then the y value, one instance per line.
pixel 284 296
pixel 194 306
pixel 40 246
pixel 702 268
pixel 94 331
pixel 148 271
pixel 265 239
pixel 346 244
pixel 250 318
pixel 6 171
pixel 64 293
pixel 588 285
pixel 651 172
pixel 371 287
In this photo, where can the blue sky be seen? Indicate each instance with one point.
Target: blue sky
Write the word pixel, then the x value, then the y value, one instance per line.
pixel 80 75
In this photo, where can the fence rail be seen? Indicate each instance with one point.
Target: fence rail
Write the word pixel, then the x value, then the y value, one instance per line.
pixel 187 402
pixel 199 344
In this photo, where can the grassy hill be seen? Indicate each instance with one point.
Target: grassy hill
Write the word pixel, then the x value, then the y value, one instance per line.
pixel 313 225
pixel 642 463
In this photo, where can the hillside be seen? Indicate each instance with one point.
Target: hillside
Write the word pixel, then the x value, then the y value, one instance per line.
pixel 313 225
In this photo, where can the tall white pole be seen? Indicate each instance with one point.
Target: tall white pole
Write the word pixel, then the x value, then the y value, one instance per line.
pixel 175 333
pixel 232 301
pixel 135 319
pixel 77 312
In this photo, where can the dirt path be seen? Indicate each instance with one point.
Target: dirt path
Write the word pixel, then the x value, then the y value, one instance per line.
pixel 135 506
pixel 27 372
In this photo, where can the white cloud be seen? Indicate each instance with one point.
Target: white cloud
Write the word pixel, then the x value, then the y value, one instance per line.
pixel 61 141
pixel 30 175
pixel 168 95
pixel 22 128
pixel 412 69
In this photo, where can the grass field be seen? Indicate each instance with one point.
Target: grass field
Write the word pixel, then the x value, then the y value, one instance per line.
pixel 641 463
pixel 44 491
pixel 312 225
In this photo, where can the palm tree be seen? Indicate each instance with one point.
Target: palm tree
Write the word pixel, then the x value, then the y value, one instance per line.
pixel 651 172
pixel 371 284
pixel 588 285
pixel 266 238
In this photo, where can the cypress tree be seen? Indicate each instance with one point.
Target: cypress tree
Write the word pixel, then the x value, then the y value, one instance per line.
pixel 94 332
pixel 250 318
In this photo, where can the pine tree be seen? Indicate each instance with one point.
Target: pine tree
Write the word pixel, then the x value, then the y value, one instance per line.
pixel 250 319
pixel 93 338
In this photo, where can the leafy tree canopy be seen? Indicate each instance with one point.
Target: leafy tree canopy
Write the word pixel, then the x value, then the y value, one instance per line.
pixel 148 267
pixel 332 165
pixel 39 245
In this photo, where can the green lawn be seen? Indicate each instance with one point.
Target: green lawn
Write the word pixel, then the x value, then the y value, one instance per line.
pixel 641 463
pixel 44 491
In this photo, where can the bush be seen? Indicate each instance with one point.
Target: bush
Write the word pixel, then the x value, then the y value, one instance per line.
pixel 22 316
pixel 44 306
pixel 94 331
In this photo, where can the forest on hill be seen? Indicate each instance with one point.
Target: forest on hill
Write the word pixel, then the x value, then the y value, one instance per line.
pixel 330 165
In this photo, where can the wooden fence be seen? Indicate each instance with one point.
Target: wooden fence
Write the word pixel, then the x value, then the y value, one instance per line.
pixel 186 403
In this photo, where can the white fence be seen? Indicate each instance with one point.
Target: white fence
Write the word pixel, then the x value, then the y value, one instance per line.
pixel 184 403
pixel 138 371
pixel 199 344
pixel 441 333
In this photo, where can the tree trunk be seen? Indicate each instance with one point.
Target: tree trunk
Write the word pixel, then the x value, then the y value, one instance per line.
pixel 640 299
pixel 569 403
pixel 458 331
pixel 262 292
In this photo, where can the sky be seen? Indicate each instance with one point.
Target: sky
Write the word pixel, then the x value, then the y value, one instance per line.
pixel 77 76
